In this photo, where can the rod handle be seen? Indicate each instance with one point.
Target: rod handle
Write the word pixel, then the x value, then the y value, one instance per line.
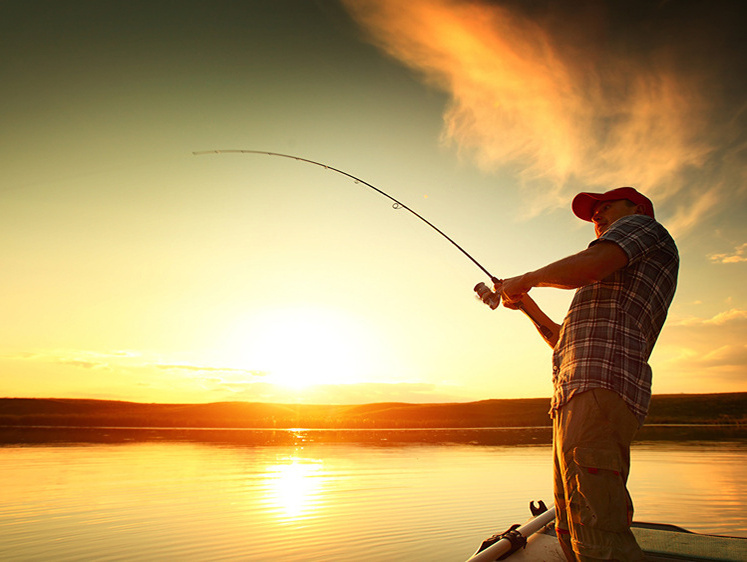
pixel 546 332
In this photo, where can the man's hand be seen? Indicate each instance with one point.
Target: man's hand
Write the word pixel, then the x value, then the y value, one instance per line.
pixel 514 293
pixel 513 290
pixel 498 287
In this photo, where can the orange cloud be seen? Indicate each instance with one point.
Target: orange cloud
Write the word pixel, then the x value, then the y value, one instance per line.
pixel 559 89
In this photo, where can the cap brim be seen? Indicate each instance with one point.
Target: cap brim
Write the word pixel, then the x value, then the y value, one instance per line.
pixel 583 205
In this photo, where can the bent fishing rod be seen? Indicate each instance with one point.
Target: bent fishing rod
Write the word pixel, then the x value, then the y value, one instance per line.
pixel 489 297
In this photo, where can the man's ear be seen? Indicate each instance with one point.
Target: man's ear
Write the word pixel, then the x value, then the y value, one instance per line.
pixel 639 210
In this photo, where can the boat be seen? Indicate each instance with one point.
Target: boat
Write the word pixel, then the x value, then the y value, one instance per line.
pixel 535 541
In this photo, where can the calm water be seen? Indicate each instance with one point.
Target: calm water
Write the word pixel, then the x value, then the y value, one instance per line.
pixel 201 501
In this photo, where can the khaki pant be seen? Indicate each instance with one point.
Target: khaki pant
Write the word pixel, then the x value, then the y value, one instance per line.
pixel 591 446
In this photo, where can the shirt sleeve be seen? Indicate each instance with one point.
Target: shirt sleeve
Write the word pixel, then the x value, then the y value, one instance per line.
pixel 634 234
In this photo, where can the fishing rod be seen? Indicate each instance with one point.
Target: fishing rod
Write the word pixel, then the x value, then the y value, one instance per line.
pixel 489 297
pixel 397 204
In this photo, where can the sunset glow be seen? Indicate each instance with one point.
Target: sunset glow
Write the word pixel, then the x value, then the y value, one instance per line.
pixel 136 270
pixel 301 347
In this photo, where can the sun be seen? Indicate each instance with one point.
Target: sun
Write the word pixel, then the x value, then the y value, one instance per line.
pixel 298 347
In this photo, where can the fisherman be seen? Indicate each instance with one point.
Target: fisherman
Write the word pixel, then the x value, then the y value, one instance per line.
pixel 625 281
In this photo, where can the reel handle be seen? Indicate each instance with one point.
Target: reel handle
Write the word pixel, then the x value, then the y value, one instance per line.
pixel 492 299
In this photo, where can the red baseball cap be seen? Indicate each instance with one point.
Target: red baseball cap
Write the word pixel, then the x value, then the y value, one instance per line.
pixel 584 203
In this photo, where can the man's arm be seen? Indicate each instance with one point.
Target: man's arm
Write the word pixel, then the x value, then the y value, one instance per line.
pixel 593 264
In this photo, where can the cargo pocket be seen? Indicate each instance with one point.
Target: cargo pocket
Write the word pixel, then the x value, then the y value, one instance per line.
pixel 599 498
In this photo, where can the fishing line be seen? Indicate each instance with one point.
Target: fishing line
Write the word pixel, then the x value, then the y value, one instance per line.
pixel 396 203
pixel 493 299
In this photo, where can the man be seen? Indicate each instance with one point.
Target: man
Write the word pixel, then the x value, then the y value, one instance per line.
pixel 625 282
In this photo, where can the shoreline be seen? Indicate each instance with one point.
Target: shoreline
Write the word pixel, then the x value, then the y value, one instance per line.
pixel 683 414
pixel 391 437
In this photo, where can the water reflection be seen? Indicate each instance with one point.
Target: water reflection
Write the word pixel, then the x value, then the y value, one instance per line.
pixel 309 501
pixel 294 487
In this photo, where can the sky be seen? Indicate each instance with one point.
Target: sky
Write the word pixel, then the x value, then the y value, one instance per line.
pixel 134 269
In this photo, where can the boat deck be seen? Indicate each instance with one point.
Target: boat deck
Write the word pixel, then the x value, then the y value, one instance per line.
pixel 660 543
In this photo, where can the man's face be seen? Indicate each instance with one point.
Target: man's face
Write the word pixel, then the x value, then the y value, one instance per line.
pixel 607 212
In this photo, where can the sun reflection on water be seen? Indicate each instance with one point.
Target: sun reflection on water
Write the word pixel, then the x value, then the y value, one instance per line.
pixel 294 487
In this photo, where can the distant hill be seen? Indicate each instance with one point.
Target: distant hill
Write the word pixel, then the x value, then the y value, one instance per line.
pixel 531 412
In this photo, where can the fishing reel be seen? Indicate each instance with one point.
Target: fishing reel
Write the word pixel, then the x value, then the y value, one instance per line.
pixel 491 298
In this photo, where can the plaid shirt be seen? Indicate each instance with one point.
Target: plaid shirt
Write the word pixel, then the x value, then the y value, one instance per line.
pixel 611 327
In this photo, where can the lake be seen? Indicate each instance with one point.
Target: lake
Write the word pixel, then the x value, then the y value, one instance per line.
pixel 308 500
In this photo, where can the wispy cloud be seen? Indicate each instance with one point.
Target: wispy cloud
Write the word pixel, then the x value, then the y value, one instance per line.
pixel 87 359
pixel 84 359
pixel 209 369
pixel 731 317
pixel 196 381
pixel 358 393
pixel 588 93
pixel 739 255
pixel 697 349
pixel 84 364
pixel 722 367
pixel 725 356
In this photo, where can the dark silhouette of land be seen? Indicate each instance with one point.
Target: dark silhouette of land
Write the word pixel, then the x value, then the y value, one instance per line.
pixel 702 409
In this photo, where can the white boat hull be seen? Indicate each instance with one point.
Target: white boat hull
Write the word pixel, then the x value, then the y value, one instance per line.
pixel 659 543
